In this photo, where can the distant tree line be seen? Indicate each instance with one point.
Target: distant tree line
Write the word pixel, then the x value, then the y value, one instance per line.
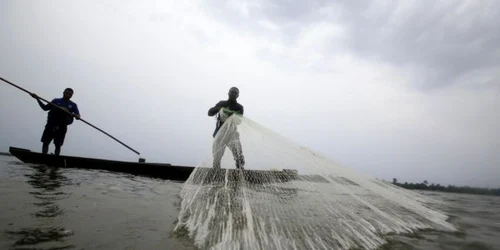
pixel 450 188
pixel 4 153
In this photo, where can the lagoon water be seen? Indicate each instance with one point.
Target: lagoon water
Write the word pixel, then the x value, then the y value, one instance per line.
pixel 47 208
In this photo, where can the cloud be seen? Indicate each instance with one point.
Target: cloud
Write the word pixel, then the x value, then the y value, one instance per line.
pixel 438 42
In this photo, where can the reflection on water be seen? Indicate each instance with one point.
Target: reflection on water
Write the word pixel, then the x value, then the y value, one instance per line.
pixel 48 183
pixel 44 208
pixel 33 236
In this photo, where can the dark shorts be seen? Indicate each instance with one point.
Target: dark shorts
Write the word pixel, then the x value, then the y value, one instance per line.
pixel 54 132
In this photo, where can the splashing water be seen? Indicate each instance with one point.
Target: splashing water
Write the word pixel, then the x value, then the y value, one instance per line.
pixel 289 197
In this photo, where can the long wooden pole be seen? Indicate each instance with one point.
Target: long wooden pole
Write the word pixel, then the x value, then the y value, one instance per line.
pixel 71 115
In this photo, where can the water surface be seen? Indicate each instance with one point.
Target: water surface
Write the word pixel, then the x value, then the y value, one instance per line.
pixel 47 208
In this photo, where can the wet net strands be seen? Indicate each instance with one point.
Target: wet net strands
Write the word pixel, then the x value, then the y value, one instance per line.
pixel 289 197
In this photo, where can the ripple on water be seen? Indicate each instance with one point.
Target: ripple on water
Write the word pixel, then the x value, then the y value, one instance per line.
pixel 36 236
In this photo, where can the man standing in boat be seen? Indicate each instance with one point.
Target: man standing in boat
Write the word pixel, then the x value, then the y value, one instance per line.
pixel 229 136
pixel 58 120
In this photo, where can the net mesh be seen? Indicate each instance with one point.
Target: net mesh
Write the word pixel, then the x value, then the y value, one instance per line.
pixel 258 190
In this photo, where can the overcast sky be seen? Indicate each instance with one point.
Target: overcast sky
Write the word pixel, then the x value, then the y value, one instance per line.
pixel 406 89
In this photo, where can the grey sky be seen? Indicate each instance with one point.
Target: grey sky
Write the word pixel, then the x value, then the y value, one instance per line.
pixel 394 89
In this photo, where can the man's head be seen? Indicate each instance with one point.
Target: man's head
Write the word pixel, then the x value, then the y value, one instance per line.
pixel 234 93
pixel 68 93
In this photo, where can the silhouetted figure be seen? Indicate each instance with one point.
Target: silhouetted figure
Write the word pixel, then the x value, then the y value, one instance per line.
pixel 57 120
pixel 230 136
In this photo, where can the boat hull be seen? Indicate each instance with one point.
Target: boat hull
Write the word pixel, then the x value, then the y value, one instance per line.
pixel 155 170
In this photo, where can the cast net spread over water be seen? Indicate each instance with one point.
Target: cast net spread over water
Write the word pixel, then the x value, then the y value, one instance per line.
pixel 289 197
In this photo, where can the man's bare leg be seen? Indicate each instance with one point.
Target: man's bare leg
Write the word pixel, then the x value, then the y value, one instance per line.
pixel 217 152
pixel 237 151
pixel 45 148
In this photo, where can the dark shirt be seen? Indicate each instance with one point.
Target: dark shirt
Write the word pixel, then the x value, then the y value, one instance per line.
pixel 57 116
pixel 231 105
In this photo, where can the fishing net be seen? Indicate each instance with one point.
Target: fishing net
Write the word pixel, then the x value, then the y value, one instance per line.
pixel 268 193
